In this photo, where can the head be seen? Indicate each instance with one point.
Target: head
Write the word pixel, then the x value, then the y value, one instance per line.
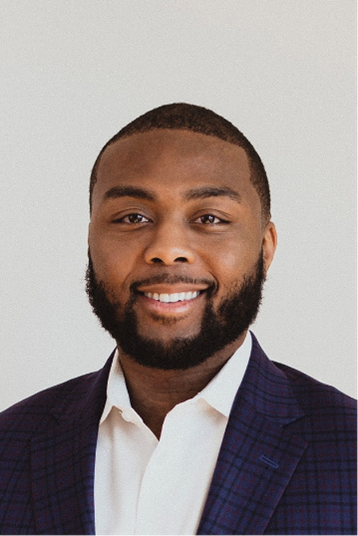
pixel 182 116
pixel 180 238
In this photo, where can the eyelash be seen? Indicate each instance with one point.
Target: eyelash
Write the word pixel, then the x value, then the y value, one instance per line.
pixel 128 216
pixel 121 220
pixel 219 222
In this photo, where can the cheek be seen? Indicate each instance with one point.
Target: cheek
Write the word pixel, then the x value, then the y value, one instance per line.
pixel 231 263
pixel 111 262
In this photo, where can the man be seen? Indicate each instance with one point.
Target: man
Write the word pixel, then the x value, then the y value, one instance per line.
pixel 188 428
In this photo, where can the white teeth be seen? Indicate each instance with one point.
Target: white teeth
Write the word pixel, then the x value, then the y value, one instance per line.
pixel 172 298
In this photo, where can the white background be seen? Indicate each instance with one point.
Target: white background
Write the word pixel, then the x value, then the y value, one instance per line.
pixel 73 72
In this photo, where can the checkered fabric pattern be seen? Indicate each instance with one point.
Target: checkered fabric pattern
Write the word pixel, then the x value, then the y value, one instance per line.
pixel 286 465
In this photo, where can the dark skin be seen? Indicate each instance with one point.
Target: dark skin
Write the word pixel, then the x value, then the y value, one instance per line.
pixel 179 203
pixel 154 392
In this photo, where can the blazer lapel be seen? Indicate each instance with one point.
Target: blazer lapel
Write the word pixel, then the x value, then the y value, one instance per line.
pixel 258 455
pixel 63 460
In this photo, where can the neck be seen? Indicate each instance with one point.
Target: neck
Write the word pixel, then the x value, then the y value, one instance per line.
pixel 154 392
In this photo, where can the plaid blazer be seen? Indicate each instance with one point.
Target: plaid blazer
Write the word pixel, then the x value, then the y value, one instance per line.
pixel 286 464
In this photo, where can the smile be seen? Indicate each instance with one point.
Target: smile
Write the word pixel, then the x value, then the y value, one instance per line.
pixel 172 298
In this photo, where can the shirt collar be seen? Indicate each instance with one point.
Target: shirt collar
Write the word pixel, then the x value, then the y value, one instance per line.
pixel 117 393
pixel 219 393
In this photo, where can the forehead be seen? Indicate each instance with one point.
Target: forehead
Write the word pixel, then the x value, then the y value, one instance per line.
pixel 172 159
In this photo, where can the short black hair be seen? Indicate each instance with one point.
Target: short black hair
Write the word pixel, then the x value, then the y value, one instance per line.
pixel 182 116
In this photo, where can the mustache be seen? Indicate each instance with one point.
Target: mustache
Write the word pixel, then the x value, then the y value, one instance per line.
pixel 170 279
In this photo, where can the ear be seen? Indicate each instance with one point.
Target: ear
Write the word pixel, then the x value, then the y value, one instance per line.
pixel 269 243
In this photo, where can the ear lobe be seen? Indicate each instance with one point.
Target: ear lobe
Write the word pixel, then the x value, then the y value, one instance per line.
pixel 269 244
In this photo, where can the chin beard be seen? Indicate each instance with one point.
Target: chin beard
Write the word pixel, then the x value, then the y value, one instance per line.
pixel 218 328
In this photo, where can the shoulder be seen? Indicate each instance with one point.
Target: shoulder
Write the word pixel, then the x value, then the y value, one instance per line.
pixel 328 423
pixel 294 399
pixel 317 397
pixel 36 411
pixel 284 384
pixel 64 400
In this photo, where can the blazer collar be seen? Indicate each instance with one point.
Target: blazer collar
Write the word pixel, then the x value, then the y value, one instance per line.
pixel 256 460
pixel 63 457
pixel 258 455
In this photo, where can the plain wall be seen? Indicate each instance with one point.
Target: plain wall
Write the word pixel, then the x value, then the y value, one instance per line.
pixel 74 72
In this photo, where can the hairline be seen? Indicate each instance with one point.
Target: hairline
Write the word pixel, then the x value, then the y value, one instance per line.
pixel 266 215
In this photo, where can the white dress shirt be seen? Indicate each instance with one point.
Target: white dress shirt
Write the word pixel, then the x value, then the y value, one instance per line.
pixel 148 486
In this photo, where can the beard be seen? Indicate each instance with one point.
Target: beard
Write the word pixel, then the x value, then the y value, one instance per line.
pixel 236 312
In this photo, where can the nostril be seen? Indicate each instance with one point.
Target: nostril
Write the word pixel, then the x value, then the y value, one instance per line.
pixel 168 259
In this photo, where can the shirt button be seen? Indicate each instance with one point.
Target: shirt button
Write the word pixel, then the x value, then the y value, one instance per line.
pixel 127 415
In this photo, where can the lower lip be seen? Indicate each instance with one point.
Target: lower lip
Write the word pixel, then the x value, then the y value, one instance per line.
pixel 169 308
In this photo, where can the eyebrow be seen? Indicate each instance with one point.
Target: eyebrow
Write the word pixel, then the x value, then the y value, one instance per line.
pixel 211 191
pixel 195 193
pixel 129 191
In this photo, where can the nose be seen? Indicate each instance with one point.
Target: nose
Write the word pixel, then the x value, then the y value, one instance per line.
pixel 169 245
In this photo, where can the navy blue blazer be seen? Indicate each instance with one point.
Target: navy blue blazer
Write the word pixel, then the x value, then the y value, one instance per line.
pixel 286 464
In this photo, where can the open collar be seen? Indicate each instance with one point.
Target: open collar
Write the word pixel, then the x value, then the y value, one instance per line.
pixel 258 454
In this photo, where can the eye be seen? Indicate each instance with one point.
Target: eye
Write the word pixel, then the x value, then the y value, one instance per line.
pixel 132 219
pixel 209 219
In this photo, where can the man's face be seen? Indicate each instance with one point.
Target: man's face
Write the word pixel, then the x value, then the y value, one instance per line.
pixel 177 245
